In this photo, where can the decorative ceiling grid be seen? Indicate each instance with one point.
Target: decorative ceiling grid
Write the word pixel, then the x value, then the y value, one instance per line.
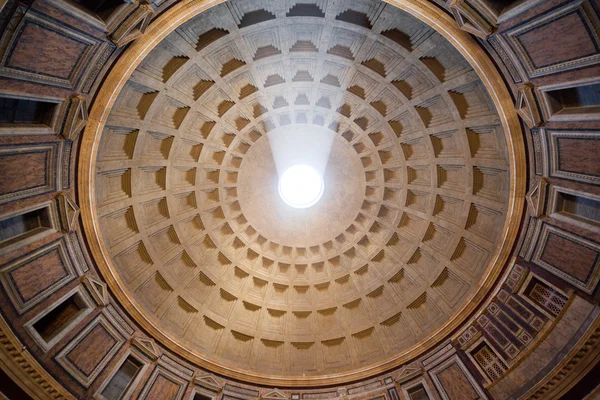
pixel 412 119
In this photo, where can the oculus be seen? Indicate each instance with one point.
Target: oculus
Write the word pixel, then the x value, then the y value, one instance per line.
pixel 301 186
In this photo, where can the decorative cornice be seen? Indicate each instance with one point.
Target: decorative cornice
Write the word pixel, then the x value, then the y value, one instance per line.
pixel 526 106
pixel 76 118
pixel 97 290
pixel 469 20
pixel 536 198
pixel 69 211
pixel 22 368
pixel 584 356
pixel 147 346
pixel 209 382
pixel 134 26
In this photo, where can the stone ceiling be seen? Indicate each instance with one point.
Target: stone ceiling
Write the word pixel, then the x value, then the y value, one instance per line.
pixel 417 185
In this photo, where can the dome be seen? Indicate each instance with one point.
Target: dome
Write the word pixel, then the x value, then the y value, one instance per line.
pixel 417 172
pixel 299 199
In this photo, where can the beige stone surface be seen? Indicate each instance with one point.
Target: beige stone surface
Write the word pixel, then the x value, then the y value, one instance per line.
pixel 257 190
pixel 174 150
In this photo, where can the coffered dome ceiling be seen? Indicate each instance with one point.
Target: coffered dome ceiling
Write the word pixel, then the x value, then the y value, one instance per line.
pixel 417 187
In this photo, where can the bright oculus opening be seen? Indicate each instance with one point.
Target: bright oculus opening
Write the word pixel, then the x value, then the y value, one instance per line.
pixel 301 152
pixel 301 186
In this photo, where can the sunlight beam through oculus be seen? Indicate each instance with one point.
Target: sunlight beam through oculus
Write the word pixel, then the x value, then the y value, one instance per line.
pixel 301 186
pixel 301 152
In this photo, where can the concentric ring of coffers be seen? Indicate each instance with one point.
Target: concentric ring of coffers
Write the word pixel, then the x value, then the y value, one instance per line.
pixel 429 185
